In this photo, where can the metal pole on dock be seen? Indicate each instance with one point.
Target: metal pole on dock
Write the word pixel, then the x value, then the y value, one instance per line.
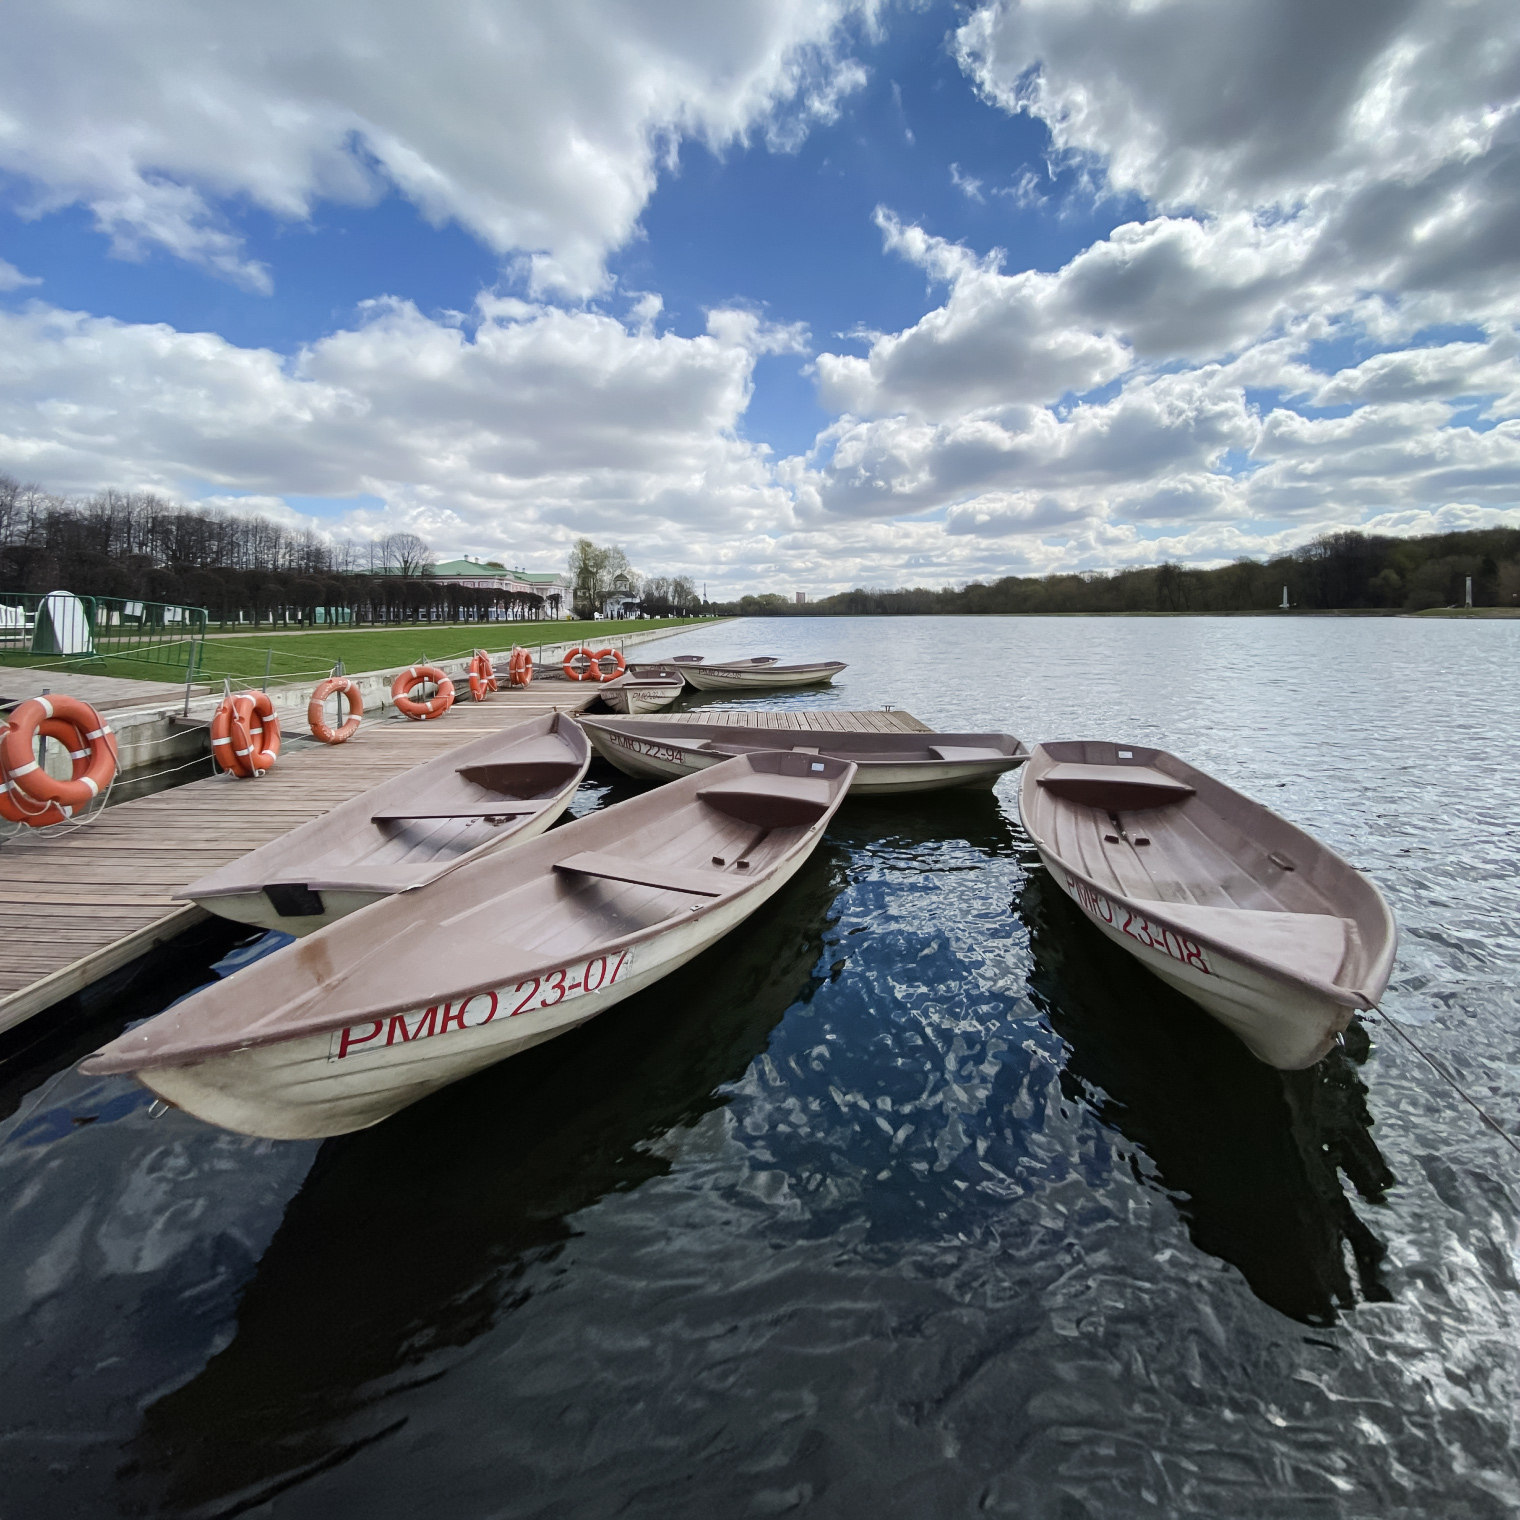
pixel 268 662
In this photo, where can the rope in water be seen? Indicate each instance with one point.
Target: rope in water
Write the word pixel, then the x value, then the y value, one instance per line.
pixel 1441 1071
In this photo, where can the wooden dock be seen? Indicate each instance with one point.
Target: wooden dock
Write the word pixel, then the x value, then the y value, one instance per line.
pixel 816 720
pixel 78 903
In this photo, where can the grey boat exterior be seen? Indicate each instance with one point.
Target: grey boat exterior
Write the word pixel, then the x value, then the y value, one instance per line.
pixel 642 690
pixel 1255 920
pixel 493 793
pixel 653 750
pixel 757 673
pixel 341 1029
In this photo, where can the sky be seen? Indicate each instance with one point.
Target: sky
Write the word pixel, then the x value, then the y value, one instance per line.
pixel 780 294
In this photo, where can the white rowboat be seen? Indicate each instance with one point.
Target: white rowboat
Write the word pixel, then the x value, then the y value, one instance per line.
pixel 494 793
pixel 760 673
pixel 1256 921
pixel 343 1028
pixel 642 691
pixel 656 750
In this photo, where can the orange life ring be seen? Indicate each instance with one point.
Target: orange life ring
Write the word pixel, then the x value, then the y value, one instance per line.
pixel 316 710
pixel 614 655
pixel 245 734
pixel 16 806
pixel 482 676
pixel 404 684
pixel 29 788
pixel 255 731
pixel 520 667
pixel 592 672
pixel 221 739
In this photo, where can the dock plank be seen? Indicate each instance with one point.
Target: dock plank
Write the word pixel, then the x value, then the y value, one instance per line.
pixel 890 720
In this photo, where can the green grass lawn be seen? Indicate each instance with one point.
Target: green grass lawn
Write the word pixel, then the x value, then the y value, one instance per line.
pixel 306 656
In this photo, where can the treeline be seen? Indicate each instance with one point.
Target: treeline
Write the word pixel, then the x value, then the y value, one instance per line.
pixel 1340 571
pixel 241 567
pixel 606 585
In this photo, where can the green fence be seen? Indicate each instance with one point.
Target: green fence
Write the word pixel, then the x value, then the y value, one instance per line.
pixel 110 635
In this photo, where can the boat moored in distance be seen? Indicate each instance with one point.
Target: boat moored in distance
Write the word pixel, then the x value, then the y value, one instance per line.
pixel 657 750
pixel 490 794
pixel 642 689
pixel 1256 921
pixel 343 1028
pixel 757 673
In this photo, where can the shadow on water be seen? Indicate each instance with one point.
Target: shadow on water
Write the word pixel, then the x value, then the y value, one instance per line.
pixel 68 1031
pixel 1251 1156
pixel 409 1240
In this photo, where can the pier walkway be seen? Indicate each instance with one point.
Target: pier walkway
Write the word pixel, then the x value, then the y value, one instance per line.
pixel 80 902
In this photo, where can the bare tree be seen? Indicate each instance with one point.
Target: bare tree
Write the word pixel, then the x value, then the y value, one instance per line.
pixel 593 569
pixel 405 553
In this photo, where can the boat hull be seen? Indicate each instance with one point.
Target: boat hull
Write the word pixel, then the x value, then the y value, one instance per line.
pixel 654 760
pixel 255 908
pixel 1287 1026
pixel 728 678
pixel 636 699
pixel 332 1083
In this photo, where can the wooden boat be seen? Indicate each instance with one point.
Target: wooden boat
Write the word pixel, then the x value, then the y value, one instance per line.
pixel 493 793
pixel 644 688
pixel 1260 924
pixel 759 673
pixel 343 1028
pixel 658 750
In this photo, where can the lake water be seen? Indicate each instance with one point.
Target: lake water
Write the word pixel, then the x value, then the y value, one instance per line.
pixel 914 1197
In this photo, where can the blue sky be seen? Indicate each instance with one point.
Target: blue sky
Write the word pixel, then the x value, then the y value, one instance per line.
pixel 853 294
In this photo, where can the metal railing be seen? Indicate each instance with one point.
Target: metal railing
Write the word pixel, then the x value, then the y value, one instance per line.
pixel 100 632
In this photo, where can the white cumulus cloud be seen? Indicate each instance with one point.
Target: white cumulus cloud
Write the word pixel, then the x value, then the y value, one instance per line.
pixel 538 128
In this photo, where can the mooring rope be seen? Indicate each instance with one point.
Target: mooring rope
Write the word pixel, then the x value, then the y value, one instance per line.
pixel 1441 1071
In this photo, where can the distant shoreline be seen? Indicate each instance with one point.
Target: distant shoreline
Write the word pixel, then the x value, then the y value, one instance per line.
pixel 1485 614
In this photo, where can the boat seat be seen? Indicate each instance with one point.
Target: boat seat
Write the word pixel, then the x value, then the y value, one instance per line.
pixel 966 752
pixel 771 802
pixel 643 873
pixel 1115 788
pixel 1309 944
pixel 525 777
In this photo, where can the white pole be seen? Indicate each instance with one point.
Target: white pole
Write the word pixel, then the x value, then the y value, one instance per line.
pixel 1284 607
pixel 1469 591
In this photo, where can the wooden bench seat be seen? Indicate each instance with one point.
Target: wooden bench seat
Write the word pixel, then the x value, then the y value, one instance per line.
pixel 643 873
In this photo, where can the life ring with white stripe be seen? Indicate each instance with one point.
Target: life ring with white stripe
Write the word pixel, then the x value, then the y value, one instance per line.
pixel 245 734
pixel 32 796
pixel 255 731
pixel 573 672
pixel 316 710
pixel 482 676
pixel 409 680
pixel 221 738
pixel 520 667
pixel 616 656
pixel 16 806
